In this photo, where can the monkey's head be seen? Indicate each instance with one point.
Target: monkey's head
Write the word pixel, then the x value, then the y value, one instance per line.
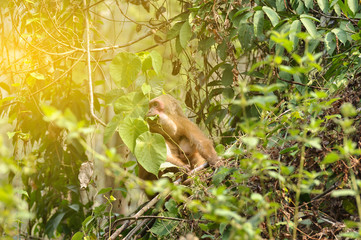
pixel 156 108
pixel 168 111
pixel 164 104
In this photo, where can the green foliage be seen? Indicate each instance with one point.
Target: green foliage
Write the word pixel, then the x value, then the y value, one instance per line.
pixel 12 206
pixel 124 68
pixel 275 83
pixel 185 34
pixel 150 146
pixel 130 109
pixel 164 228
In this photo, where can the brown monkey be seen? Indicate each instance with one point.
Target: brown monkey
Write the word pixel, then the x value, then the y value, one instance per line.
pixel 187 146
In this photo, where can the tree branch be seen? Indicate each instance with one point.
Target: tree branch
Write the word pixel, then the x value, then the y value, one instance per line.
pixel 150 204
pixel 90 80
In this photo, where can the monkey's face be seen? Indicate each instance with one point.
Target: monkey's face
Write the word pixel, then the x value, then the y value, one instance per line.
pixel 155 108
pixel 158 119
pixel 153 115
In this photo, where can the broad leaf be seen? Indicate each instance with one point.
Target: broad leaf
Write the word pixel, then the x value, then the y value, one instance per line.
pixel 245 35
pixel 227 78
pixel 113 94
pixel 53 223
pixel 205 44
pixel 263 101
pixel 157 61
pixel 280 5
pixel 78 236
pixel 133 105
pixel 314 142
pixel 104 190
pixel 110 128
pixel 353 5
pixel 295 28
pixel 310 26
pixel 308 3
pixel 185 34
pixel 150 151
pixel 174 31
pixel 124 68
pixel 337 9
pixel 258 21
pixel 324 5
pixel 146 60
pixel 330 158
pixel 130 129
pixel 272 15
pixel 340 34
pixel 330 42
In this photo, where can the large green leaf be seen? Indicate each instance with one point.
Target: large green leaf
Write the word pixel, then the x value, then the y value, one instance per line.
pixel 258 21
pixel 245 35
pixel 133 104
pixel 353 5
pixel 324 5
pixel 110 128
pixel 124 68
pixel 130 129
pixel 227 78
pixel 310 26
pixel 280 5
pixel 272 15
pixel 330 158
pixel 185 34
pixel 174 31
pixel 330 42
pixel 157 61
pixel 308 3
pixel 78 236
pixel 295 28
pixel 53 223
pixel 340 34
pixel 205 44
pixel 337 9
pixel 146 60
pixel 113 94
pixel 263 101
pixel 150 151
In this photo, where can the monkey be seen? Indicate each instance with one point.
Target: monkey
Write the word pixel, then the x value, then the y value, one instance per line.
pixel 187 146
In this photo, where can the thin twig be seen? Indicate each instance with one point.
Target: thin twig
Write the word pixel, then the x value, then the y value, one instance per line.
pixel 157 217
pixel 90 80
pixel 150 204
pixel 301 84
pixel 75 49
pixel 135 229
pixel 94 4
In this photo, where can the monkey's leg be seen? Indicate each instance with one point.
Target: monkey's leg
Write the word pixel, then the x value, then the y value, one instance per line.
pixel 173 156
pixel 197 160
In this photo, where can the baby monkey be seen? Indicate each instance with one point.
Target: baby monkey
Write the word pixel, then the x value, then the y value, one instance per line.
pixel 187 146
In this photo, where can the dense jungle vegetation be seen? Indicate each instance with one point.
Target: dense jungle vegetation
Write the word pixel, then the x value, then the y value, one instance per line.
pixel 275 84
